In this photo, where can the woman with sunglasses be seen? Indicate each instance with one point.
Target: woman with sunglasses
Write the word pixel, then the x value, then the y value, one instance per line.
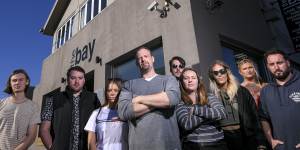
pixel 198 114
pixel 105 130
pixel 241 127
pixel 252 81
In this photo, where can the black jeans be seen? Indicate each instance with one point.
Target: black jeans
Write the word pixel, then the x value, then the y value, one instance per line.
pixel 218 145
pixel 237 141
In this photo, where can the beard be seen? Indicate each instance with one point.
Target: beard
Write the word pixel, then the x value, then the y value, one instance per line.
pixel 281 74
pixel 144 70
pixel 145 67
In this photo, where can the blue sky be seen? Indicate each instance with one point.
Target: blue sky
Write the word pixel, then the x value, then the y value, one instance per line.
pixel 22 46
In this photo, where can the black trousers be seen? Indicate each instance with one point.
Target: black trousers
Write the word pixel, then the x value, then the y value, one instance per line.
pixel 237 141
pixel 219 145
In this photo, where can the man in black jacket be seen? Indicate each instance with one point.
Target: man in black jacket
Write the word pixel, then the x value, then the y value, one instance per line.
pixel 66 114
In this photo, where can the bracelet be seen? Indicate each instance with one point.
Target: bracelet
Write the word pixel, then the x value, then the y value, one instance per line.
pixel 49 147
pixel 261 147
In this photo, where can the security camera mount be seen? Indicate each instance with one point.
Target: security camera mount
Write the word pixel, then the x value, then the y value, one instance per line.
pixel 153 6
pixel 164 10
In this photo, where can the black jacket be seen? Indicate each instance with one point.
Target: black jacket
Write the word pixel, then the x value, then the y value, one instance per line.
pixel 249 122
pixel 62 118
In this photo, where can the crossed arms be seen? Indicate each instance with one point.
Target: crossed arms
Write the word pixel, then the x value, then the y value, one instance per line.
pixel 131 107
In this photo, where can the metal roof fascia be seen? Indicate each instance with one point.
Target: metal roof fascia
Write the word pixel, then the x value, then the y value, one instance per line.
pixel 55 16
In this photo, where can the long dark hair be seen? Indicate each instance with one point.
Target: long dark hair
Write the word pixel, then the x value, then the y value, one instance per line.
pixel 201 91
pixel 8 88
pixel 116 81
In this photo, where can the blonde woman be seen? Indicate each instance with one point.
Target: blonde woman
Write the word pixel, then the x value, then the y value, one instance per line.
pixel 251 79
pixel 241 128
pixel 105 130
pixel 198 114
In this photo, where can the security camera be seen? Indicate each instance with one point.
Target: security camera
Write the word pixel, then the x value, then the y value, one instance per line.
pixel 152 6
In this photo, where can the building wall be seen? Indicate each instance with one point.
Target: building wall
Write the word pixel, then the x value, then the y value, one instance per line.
pixel 240 21
pixel 120 28
pixel 191 32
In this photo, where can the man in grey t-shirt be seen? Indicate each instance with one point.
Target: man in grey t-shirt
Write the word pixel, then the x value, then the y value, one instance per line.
pixel 148 105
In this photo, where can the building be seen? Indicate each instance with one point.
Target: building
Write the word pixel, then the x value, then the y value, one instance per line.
pixel 102 36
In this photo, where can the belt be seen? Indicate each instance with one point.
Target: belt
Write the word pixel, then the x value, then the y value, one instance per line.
pixel 220 142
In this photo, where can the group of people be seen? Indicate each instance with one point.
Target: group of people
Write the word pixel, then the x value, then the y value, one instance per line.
pixel 161 112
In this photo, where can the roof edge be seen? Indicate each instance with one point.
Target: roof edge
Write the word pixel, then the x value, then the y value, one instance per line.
pixel 55 16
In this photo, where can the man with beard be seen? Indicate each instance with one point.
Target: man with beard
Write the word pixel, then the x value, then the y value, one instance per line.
pixel 280 103
pixel 66 113
pixel 148 104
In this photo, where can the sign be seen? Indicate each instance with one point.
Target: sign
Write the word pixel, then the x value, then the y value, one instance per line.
pixel 82 54
pixel 291 13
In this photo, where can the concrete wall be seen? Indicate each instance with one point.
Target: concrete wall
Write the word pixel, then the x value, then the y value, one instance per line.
pixel 240 20
pixel 190 32
pixel 120 28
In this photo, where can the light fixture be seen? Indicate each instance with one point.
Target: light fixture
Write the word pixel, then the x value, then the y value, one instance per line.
pixel 98 60
pixel 212 5
pixel 63 80
pixel 175 5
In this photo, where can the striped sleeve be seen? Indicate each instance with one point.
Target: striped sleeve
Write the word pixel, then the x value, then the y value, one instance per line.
pixel 213 111
pixel 185 117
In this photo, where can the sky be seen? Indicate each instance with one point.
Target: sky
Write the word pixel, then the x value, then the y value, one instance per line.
pixel 21 44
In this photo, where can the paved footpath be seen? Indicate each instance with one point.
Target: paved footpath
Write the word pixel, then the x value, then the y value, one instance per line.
pixel 37 145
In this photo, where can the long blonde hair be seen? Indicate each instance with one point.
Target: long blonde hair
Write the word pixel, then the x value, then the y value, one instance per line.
pixel 258 79
pixel 232 83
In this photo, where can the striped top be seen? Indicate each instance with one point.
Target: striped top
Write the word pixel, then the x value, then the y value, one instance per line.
pixel 200 123
pixel 15 120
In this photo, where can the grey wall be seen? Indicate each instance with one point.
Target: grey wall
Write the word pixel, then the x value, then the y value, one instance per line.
pixel 118 29
pixel 240 20
pixel 190 32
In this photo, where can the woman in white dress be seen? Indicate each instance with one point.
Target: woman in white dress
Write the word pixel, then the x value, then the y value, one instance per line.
pixel 105 130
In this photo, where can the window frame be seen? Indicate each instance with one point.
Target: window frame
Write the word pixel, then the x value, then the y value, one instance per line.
pixel 82 13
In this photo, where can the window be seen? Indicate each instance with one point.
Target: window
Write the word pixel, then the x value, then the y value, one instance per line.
pixel 103 5
pixel 71 26
pixel 90 9
pixel 58 39
pixel 96 7
pixel 68 30
pixel 128 69
pixel 231 56
pixel 82 16
pixel 86 13
pixel 64 33
pixel 62 41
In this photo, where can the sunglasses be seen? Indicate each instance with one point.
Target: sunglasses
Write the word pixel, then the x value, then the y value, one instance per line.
pixel 176 66
pixel 221 71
